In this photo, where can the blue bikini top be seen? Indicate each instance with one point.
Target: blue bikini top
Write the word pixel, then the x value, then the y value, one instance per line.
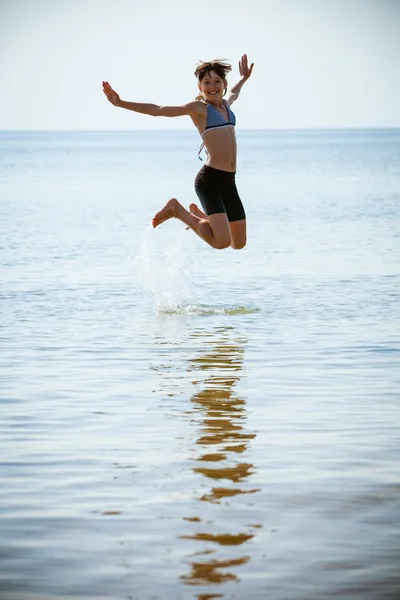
pixel 215 119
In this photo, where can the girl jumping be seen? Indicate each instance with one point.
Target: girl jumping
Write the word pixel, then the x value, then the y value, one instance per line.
pixel 223 222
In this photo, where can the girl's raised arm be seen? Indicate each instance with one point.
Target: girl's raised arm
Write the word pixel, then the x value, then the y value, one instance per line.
pixel 245 72
pixel 154 110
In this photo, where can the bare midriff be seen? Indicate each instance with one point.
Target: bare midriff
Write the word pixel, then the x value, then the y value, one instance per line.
pixel 220 144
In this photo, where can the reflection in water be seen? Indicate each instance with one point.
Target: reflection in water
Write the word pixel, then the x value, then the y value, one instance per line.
pixel 222 440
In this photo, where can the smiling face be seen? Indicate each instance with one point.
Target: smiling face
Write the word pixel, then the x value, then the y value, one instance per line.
pixel 212 86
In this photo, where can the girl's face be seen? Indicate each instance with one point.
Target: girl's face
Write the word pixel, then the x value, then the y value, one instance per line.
pixel 212 87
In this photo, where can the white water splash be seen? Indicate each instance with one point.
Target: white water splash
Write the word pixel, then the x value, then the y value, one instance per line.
pixel 164 268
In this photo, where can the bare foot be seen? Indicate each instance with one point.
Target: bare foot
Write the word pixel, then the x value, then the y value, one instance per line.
pixel 165 213
pixel 194 209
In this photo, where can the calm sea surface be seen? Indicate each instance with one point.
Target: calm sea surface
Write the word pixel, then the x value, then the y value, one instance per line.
pixel 179 422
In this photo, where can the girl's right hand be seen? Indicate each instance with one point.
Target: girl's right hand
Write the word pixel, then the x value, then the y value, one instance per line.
pixel 112 96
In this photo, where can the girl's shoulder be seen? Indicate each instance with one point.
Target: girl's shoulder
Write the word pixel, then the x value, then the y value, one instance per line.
pixel 198 106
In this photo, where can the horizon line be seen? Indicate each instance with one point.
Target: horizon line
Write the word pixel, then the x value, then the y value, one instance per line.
pixel 180 130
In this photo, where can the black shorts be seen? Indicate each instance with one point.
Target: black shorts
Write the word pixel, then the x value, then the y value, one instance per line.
pixel 217 193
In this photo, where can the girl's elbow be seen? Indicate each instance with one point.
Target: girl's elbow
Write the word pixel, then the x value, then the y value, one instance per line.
pixel 162 111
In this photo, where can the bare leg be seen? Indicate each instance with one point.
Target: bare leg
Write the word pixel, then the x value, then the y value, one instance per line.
pixel 238 228
pixel 217 236
pixel 238 234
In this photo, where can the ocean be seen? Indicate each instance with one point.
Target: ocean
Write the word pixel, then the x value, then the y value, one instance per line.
pixel 179 422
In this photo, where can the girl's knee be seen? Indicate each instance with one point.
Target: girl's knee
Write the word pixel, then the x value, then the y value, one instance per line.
pixel 221 244
pixel 238 245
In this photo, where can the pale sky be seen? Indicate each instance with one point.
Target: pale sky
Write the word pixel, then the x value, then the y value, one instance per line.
pixel 318 63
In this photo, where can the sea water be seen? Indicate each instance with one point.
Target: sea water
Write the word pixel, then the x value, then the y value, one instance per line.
pixel 179 422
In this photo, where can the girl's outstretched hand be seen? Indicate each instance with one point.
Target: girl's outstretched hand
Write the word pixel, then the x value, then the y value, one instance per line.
pixel 244 69
pixel 112 96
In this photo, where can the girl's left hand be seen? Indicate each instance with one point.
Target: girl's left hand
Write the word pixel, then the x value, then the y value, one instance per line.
pixel 244 69
pixel 111 94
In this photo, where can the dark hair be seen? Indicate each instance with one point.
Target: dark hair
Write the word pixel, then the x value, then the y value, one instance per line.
pixel 221 67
